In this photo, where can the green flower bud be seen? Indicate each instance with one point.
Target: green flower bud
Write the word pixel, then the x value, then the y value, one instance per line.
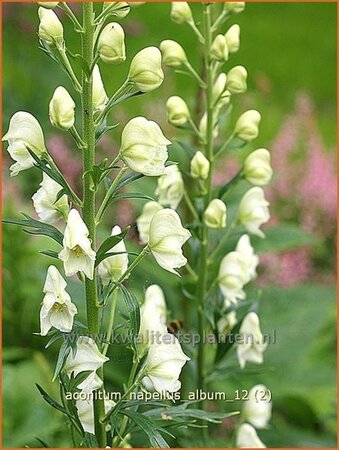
pixel 247 126
pixel 181 12
pixel 111 44
pixel 235 7
pixel 219 50
pixel 257 167
pixel 200 166
pixel 236 80
pixel 215 214
pixel 50 27
pixel 173 54
pixel 145 71
pixel 233 38
pixel 177 111
pixel 61 109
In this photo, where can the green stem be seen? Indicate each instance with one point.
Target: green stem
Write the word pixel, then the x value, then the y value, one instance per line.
pixel 221 242
pixel 69 69
pixel 89 199
pixel 191 207
pixel 110 322
pixel 71 15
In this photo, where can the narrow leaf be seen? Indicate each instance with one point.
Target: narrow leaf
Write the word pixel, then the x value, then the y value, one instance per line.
pixel 109 243
pixel 49 400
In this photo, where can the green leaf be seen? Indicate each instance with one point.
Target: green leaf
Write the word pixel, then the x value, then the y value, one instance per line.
pixel 43 443
pixel 131 195
pixel 80 61
pixel 188 149
pixel 128 179
pixel 109 243
pixel 74 383
pixel 50 401
pixel 50 253
pixel 229 185
pixel 283 237
pixel 33 226
pixel 63 353
pixel 151 429
pixel 103 129
pixel 134 310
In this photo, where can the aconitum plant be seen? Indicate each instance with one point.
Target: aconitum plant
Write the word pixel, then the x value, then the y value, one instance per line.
pixel 187 242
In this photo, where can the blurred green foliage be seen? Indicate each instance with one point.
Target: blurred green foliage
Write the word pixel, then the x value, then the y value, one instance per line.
pixel 286 48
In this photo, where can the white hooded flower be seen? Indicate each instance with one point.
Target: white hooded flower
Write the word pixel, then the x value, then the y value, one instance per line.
pixel 163 365
pixel 247 126
pixel 237 80
pixel 253 211
pixel 144 147
pixel 87 357
pixel 251 260
pixel 50 28
pixel 144 220
pixel 181 12
pixel 152 317
pixel 100 98
pixel 57 309
pixel 173 54
pixel 111 44
pixel 166 237
pixel 177 111
pixel 221 96
pixel 232 37
pixel 92 383
pixel 247 437
pixel 113 267
pixel 62 109
pixel 44 200
pixel 24 132
pixel 257 167
pixel 257 410
pixel 232 276
pixel 145 71
pixel 252 345
pixel 215 214
pixel 200 166
pixel 77 253
pixel 170 187
pixel 219 50
pixel 86 413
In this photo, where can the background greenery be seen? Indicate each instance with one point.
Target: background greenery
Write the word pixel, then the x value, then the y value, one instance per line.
pixel 287 48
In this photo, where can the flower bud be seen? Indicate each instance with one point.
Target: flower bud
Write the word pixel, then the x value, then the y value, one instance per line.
pixel 172 53
pixel 177 111
pixel 48 5
pixel 232 276
pixel 247 126
pixel 253 211
pixel 111 44
pixel 232 37
pixel 144 147
pixel 170 187
pixel 166 237
pixel 257 410
pixel 99 94
pixel 235 7
pixel 228 321
pixel 203 128
pixel 113 267
pixel 62 109
pixel 45 202
pixel 257 167
pixel 120 10
pixel 221 96
pixel 145 218
pixel 215 214
pixel 181 12
pixel 236 80
pixel 252 345
pixel 200 166
pixel 247 437
pixel 145 71
pixel 219 50
pixel 24 132
pixel 50 27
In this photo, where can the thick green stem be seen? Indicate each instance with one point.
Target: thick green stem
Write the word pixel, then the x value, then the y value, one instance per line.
pixel 89 199
pixel 202 285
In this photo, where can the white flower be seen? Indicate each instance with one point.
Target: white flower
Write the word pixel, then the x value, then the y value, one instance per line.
pixel 200 166
pixel 48 5
pixel 220 94
pixel 257 409
pixel 163 365
pixel 257 167
pixel 91 383
pixel 62 109
pixel 77 253
pixel 181 12
pixel 177 111
pixel 226 323
pixel 247 126
pixel 57 309
pixel 236 80
pixel 113 267
pixel 111 44
pixel 86 413
pixel 152 317
pixel 232 37
pixel 247 437
pixel 172 53
pixel 44 200
pixel 24 132
pixel 99 94
pixel 219 50
pixel 145 71
pixel 252 345
pixel 251 260
pixel 235 7
pixel 87 357
pixel 144 147
pixel 232 276
pixel 253 211
pixel 166 237
pixel 50 27
pixel 170 187
pixel 144 220
pixel 215 214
